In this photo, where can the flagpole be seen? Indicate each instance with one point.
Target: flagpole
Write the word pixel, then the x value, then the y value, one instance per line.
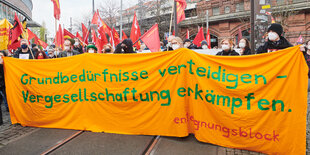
pixel 56 49
pixel 175 19
pixel 172 11
pixel 121 23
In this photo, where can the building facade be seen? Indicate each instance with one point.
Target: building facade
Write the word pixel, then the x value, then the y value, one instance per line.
pixel 23 9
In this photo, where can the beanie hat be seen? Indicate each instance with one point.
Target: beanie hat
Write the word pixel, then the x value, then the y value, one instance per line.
pixel 204 42
pixel 187 40
pixel 276 28
pixel 92 46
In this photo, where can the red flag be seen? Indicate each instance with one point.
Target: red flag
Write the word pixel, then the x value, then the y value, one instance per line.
pixel 16 30
pixel 59 37
pixel 85 33
pixel 95 18
pixel 102 25
pixel 42 43
pixel 199 37
pixel 239 35
pixel 181 5
pixel 187 34
pixel 135 31
pixel 300 40
pixel 115 36
pixel 124 36
pixel 68 34
pixel 208 39
pixel 151 38
pixel 173 33
pixel 97 41
pixel 56 9
pixel 102 37
pixel 79 36
pixel 31 35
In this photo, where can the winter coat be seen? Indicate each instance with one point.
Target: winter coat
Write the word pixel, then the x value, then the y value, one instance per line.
pixel 78 48
pixel 64 53
pixel 247 51
pixel 271 46
pixel 229 53
pixel 22 55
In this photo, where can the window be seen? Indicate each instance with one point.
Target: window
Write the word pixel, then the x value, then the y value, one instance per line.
pixel 280 2
pixel 215 11
pixel 227 9
pixel 240 7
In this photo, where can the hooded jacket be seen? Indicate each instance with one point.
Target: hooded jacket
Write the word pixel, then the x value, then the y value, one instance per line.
pixel 271 46
pixel 228 53
pixel 126 50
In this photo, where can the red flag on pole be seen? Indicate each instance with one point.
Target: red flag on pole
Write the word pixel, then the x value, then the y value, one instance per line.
pixel 56 9
pixel 79 36
pixel 31 35
pixel 115 36
pixel 85 33
pixel 42 43
pixel 59 37
pixel 208 39
pixel 135 31
pixel 102 36
pixel 95 18
pixel 199 37
pixel 68 34
pixel 187 34
pixel 124 36
pixel 16 30
pixel 181 5
pixel 239 35
pixel 151 38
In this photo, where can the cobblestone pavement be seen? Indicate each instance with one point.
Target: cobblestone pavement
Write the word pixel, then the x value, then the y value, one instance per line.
pixel 9 132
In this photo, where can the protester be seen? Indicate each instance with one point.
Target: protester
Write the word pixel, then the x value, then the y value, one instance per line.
pixel 227 48
pixel 108 49
pixel 91 49
pixel 275 40
pixel 125 47
pixel 68 50
pixel 2 83
pixel 169 45
pixel 40 54
pixel 204 45
pixel 51 53
pixel 176 43
pixel 77 46
pixel 24 51
pixel 244 46
pixel 188 44
pixel 142 48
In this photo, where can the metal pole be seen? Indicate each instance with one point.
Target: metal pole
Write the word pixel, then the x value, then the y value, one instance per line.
pixel 207 26
pixel 93 7
pixel 172 10
pixel 121 22
pixel 175 19
pixel 252 27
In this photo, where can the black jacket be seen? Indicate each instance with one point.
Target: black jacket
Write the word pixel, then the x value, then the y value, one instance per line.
pixel 2 84
pixel 229 53
pixel 79 48
pixel 274 46
pixel 247 51
pixel 18 52
pixel 129 49
pixel 64 53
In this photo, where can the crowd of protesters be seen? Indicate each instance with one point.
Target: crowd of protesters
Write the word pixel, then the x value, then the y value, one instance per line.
pixel 273 41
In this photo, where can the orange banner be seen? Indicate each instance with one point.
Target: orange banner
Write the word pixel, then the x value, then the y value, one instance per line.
pixel 256 102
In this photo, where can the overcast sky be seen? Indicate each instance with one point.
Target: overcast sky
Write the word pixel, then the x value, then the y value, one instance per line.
pixel 43 10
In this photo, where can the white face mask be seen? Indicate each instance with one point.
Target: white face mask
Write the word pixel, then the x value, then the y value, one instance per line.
pixel 143 47
pixel 91 51
pixel 175 46
pixel 76 44
pixel 169 44
pixel 273 36
pixel 225 47
pixel 204 47
pixel 67 48
pixel 242 45
pixel 308 47
pixel 186 45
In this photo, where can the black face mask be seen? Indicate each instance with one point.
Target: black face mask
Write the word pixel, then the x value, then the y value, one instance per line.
pixel 24 46
pixel 107 50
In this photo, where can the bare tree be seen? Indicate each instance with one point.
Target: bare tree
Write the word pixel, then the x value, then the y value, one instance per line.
pixel 283 12
pixel 109 11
